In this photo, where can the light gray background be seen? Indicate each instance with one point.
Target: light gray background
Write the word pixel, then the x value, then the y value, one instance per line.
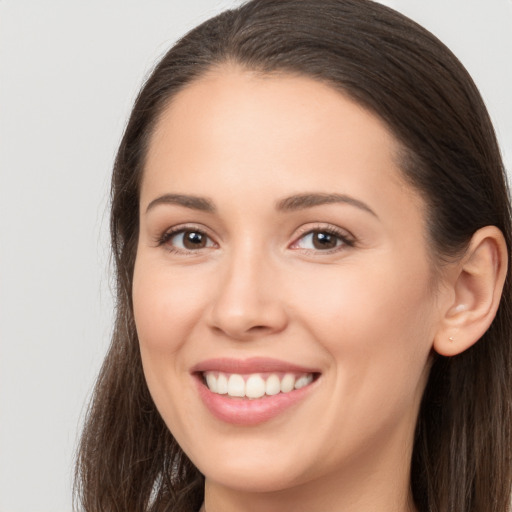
pixel 69 72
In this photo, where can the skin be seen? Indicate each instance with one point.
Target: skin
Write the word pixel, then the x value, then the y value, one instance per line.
pixel 363 313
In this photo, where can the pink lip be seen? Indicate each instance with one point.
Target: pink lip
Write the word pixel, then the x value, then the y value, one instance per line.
pixel 251 365
pixel 244 411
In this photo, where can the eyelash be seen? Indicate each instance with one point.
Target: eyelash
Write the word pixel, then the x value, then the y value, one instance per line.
pixel 163 240
pixel 346 239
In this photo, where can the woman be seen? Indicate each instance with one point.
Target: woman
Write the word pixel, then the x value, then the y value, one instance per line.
pixel 310 226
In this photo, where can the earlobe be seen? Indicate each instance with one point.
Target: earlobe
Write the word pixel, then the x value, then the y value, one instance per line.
pixel 476 288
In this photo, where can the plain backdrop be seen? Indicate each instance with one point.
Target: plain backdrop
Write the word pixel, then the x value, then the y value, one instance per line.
pixel 69 71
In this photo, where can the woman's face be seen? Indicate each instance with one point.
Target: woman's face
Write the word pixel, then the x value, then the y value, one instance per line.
pixel 279 248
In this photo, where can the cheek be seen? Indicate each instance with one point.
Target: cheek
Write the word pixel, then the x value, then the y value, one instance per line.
pixel 166 307
pixel 376 323
pixel 166 310
pixel 361 299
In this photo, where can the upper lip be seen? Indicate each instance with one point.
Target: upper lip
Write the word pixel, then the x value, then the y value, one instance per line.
pixel 250 365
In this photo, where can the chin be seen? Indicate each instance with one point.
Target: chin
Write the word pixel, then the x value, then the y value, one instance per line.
pixel 252 478
pixel 256 469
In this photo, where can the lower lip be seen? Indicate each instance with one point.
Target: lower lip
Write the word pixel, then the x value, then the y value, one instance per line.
pixel 244 411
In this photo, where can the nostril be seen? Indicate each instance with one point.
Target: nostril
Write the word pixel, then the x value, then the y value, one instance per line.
pixel 243 334
pixel 258 330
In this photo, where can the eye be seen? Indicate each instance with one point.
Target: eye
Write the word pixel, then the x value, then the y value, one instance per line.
pixel 185 240
pixel 322 240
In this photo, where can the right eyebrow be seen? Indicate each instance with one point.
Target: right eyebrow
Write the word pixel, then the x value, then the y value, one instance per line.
pixel 309 200
pixel 193 202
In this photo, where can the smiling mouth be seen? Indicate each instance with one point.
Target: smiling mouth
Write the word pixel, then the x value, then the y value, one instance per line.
pixel 255 385
pixel 252 391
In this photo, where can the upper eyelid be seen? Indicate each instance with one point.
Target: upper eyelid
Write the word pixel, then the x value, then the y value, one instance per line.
pixel 331 228
pixel 180 228
pixel 187 227
pixel 347 239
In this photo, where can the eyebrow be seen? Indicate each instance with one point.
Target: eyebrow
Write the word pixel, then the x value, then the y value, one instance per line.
pixel 302 201
pixel 288 204
pixel 192 202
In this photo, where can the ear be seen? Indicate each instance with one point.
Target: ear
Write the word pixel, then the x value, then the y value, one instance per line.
pixel 475 291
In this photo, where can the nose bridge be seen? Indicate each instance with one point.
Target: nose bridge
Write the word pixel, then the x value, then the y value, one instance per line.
pixel 247 301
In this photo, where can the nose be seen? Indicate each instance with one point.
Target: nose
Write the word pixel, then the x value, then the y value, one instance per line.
pixel 248 302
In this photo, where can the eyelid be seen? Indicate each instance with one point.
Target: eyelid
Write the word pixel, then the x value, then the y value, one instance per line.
pixel 162 239
pixel 347 238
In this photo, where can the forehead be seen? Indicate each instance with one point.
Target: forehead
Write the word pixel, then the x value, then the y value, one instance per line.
pixel 246 101
pixel 282 134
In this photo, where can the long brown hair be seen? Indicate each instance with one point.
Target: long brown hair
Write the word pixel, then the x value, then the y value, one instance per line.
pixel 128 459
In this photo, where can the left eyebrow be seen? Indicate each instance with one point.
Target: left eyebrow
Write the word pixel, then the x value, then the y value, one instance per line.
pixel 192 202
pixel 309 200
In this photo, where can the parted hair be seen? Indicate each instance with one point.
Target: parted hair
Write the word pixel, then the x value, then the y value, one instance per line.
pixel 127 459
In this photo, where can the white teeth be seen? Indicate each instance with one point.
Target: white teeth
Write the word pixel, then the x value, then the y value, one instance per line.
pixel 273 385
pixel 302 381
pixel 211 381
pixel 255 385
pixel 288 383
pixel 222 384
pixel 236 385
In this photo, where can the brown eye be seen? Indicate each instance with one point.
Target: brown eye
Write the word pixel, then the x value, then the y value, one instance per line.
pixel 194 240
pixel 189 240
pixel 322 240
